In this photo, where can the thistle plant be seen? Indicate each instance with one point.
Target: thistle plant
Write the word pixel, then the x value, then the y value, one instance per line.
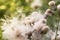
pixel 29 20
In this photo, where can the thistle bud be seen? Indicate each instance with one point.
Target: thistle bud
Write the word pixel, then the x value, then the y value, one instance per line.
pixel 49 12
pixel 58 7
pixel 44 29
pixel 38 29
pixel 51 3
pixel 36 4
pixel 29 35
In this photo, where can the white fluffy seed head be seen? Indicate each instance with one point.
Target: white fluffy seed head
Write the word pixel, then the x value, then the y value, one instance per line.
pixel 43 21
pixel 51 3
pixel 29 19
pixel 36 4
pixel 38 28
pixel 28 22
pixel 58 7
pixel 35 17
pixel 45 28
pixel 49 12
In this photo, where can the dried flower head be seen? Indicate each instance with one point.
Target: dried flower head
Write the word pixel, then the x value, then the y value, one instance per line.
pixel 58 7
pixel 44 29
pixel 49 12
pixel 51 3
pixel 36 4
